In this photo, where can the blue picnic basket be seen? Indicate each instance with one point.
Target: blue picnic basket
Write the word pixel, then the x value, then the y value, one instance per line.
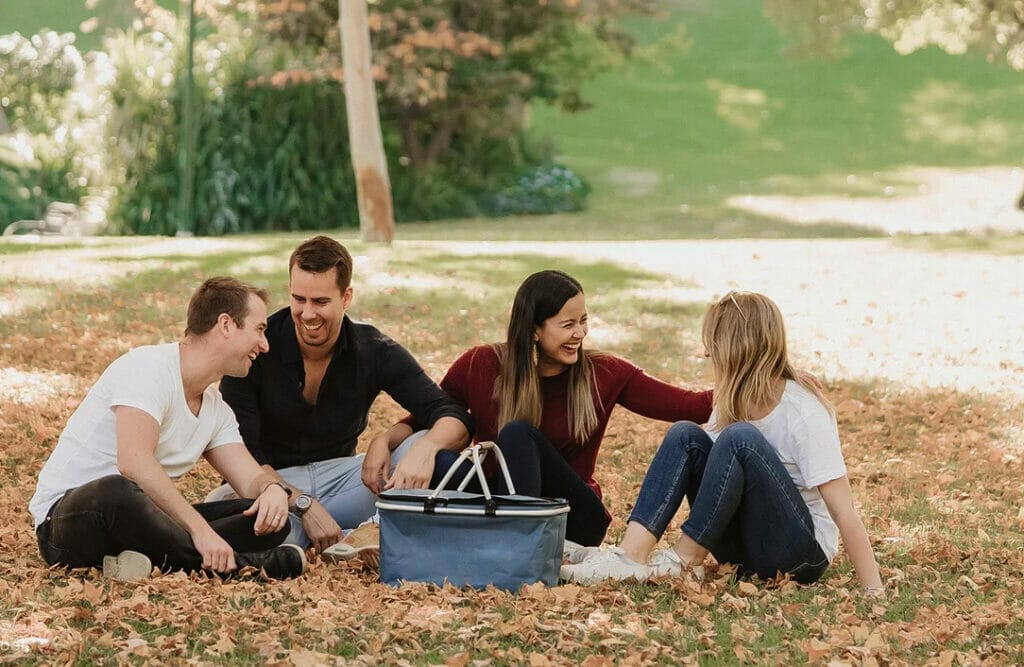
pixel 471 539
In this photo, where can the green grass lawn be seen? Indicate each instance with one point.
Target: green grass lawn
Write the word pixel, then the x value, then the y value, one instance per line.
pixel 732 115
pixel 31 16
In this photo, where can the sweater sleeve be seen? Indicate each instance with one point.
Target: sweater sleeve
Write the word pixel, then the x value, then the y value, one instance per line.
pixel 653 398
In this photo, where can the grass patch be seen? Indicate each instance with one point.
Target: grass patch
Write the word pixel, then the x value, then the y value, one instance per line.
pixel 986 242
pixel 667 144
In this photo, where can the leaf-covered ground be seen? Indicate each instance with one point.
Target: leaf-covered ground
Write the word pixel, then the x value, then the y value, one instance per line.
pixel 920 352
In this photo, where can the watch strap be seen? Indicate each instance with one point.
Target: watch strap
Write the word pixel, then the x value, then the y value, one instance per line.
pixel 284 486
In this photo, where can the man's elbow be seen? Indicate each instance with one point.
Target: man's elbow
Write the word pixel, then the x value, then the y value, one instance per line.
pixel 128 468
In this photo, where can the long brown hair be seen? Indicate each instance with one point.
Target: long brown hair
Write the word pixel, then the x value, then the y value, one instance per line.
pixel 541 296
pixel 745 336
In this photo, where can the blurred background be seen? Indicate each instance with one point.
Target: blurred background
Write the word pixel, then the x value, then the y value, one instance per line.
pixel 654 119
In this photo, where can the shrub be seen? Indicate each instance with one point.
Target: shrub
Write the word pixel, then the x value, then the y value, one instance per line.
pixel 550 188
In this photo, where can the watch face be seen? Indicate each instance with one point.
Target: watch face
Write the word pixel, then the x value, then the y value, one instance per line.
pixel 303 502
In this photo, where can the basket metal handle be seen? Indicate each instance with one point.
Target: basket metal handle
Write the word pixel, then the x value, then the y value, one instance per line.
pixel 477 453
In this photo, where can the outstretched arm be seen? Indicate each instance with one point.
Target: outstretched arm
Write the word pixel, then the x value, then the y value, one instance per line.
pixel 137 436
pixel 241 471
pixel 839 500
pixel 417 466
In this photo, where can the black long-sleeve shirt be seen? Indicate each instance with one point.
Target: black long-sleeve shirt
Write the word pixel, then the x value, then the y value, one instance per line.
pixel 282 429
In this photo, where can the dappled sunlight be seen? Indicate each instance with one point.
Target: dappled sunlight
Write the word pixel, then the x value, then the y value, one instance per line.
pixel 938 112
pixel 634 182
pixel 945 200
pixel 745 108
pixel 25 387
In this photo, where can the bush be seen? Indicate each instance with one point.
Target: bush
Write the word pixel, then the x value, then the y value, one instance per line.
pixel 50 153
pixel 271 139
pixel 550 188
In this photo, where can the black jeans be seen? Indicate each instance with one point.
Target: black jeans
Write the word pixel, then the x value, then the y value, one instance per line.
pixel 538 469
pixel 112 514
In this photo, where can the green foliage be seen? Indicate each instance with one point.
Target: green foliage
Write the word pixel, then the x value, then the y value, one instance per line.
pixel 41 161
pixel 271 142
pixel 550 188
pixel 995 27
pixel 17 177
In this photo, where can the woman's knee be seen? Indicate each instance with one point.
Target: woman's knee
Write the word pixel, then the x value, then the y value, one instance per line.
pixel 743 442
pixel 517 436
pixel 741 435
pixel 517 430
pixel 687 435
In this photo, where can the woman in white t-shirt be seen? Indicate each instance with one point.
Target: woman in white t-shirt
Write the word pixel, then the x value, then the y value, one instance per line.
pixel 766 482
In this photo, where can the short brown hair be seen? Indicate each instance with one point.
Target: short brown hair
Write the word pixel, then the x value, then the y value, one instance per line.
pixel 321 254
pixel 220 295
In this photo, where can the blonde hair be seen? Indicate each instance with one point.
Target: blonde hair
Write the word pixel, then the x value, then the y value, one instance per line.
pixel 517 390
pixel 745 336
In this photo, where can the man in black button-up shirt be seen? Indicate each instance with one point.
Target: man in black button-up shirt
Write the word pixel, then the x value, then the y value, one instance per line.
pixel 304 404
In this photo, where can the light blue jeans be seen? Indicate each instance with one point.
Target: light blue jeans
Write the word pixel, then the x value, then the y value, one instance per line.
pixel 337 484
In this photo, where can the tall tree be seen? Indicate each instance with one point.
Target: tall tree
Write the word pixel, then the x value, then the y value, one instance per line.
pixel 373 187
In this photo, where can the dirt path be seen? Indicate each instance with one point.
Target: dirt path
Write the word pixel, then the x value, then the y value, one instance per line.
pixel 855 309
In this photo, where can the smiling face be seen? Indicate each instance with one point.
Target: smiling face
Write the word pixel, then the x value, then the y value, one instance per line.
pixel 249 338
pixel 560 338
pixel 318 306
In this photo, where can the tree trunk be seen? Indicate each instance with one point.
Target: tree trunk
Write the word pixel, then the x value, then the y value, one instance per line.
pixel 373 187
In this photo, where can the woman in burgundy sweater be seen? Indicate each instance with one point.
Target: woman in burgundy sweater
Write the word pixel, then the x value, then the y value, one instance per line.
pixel 546 401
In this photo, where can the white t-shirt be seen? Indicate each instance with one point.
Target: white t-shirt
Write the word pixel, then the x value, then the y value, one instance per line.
pixel 147 378
pixel 806 438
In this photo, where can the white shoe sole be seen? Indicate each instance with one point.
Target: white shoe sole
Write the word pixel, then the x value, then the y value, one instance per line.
pixel 368 554
pixel 127 566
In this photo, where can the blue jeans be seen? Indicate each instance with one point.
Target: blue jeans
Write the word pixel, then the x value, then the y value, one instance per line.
pixel 112 514
pixel 538 469
pixel 744 507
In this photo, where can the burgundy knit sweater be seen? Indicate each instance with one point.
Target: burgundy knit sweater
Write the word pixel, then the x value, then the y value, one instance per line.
pixel 472 376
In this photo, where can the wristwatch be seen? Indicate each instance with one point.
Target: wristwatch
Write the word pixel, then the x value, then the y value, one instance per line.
pixel 302 503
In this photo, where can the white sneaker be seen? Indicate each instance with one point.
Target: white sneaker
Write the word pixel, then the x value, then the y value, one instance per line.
pixel 127 566
pixel 577 553
pixel 605 565
pixel 666 562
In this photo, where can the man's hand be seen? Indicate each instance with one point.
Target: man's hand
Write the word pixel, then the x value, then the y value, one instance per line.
pixel 271 510
pixel 217 554
pixel 416 467
pixel 377 464
pixel 320 527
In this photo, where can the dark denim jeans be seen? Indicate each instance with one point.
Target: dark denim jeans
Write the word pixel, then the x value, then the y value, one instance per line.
pixel 112 514
pixel 744 507
pixel 538 469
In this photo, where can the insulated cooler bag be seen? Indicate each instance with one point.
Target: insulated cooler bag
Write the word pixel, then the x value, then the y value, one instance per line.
pixel 469 539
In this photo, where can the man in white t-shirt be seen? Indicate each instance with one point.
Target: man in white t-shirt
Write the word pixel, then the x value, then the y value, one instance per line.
pixel 106 496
